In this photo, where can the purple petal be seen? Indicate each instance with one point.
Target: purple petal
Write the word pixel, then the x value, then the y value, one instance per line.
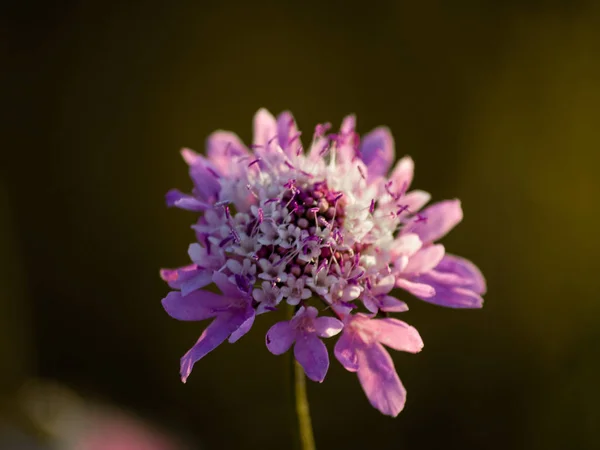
pixel 312 355
pixel 377 151
pixel 187 279
pixel 198 305
pixel 345 350
pixel 327 326
pixel 449 295
pixel 244 327
pixel 425 259
pixel 205 182
pixel 265 128
pixel 371 303
pixel 439 219
pixel 380 381
pixel 396 334
pixel 211 338
pixel 178 199
pixel 465 269
pixel 226 286
pixel 420 290
pixel 280 338
pixel 402 175
pixel 222 149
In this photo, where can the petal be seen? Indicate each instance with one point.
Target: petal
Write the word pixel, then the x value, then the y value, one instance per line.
pixel 265 128
pixel 345 350
pixel 327 326
pixel 420 290
pixel 377 151
pixel 406 244
pixel 465 269
pixel 226 286
pixel 280 338
pixel 198 305
pixel 415 200
pixel 205 180
pixel 211 338
pixel 348 124
pixel 396 334
pixel 203 278
pixel 402 175
pixel 383 286
pixel 190 156
pixel 451 296
pixel 425 259
pixel 312 355
pixel 244 327
pixel 440 218
pixel 391 304
pixel 178 199
pixel 177 277
pixel 286 130
pixel 379 380
pixel 224 149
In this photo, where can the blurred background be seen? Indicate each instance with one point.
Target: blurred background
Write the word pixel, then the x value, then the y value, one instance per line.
pixel 497 102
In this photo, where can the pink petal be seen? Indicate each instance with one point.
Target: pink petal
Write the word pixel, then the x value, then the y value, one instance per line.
pixel 396 334
pixel 380 381
pixel 391 304
pixel 402 175
pixel 466 270
pixel 327 326
pixel 190 156
pixel 286 130
pixel 377 151
pixel 223 149
pixel 265 128
pixel 425 259
pixel 420 290
pixel 405 244
pixel 348 124
pixel 312 355
pixel 440 218
pixel 345 350
pixel 414 200
pixel 280 338
pixel 198 305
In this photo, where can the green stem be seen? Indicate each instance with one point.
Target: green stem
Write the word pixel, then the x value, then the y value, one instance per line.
pixel 303 433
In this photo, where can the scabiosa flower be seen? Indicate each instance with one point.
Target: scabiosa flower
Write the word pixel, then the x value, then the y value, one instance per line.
pixel 326 226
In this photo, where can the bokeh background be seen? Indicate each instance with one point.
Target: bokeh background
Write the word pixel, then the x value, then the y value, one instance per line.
pixel 497 102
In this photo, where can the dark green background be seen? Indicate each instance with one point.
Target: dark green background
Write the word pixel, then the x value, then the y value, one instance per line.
pixel 497 102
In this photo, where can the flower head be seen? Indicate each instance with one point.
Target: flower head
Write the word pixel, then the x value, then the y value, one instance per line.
pixel 279 225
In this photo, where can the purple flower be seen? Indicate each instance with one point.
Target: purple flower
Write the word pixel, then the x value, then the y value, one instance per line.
pixel 233 314
pixel 280 225
pixel 360 350
pixel 305 329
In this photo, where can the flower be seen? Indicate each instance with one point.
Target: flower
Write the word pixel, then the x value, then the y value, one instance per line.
pixel 360 350
pixel 304 329
pixel 278 225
